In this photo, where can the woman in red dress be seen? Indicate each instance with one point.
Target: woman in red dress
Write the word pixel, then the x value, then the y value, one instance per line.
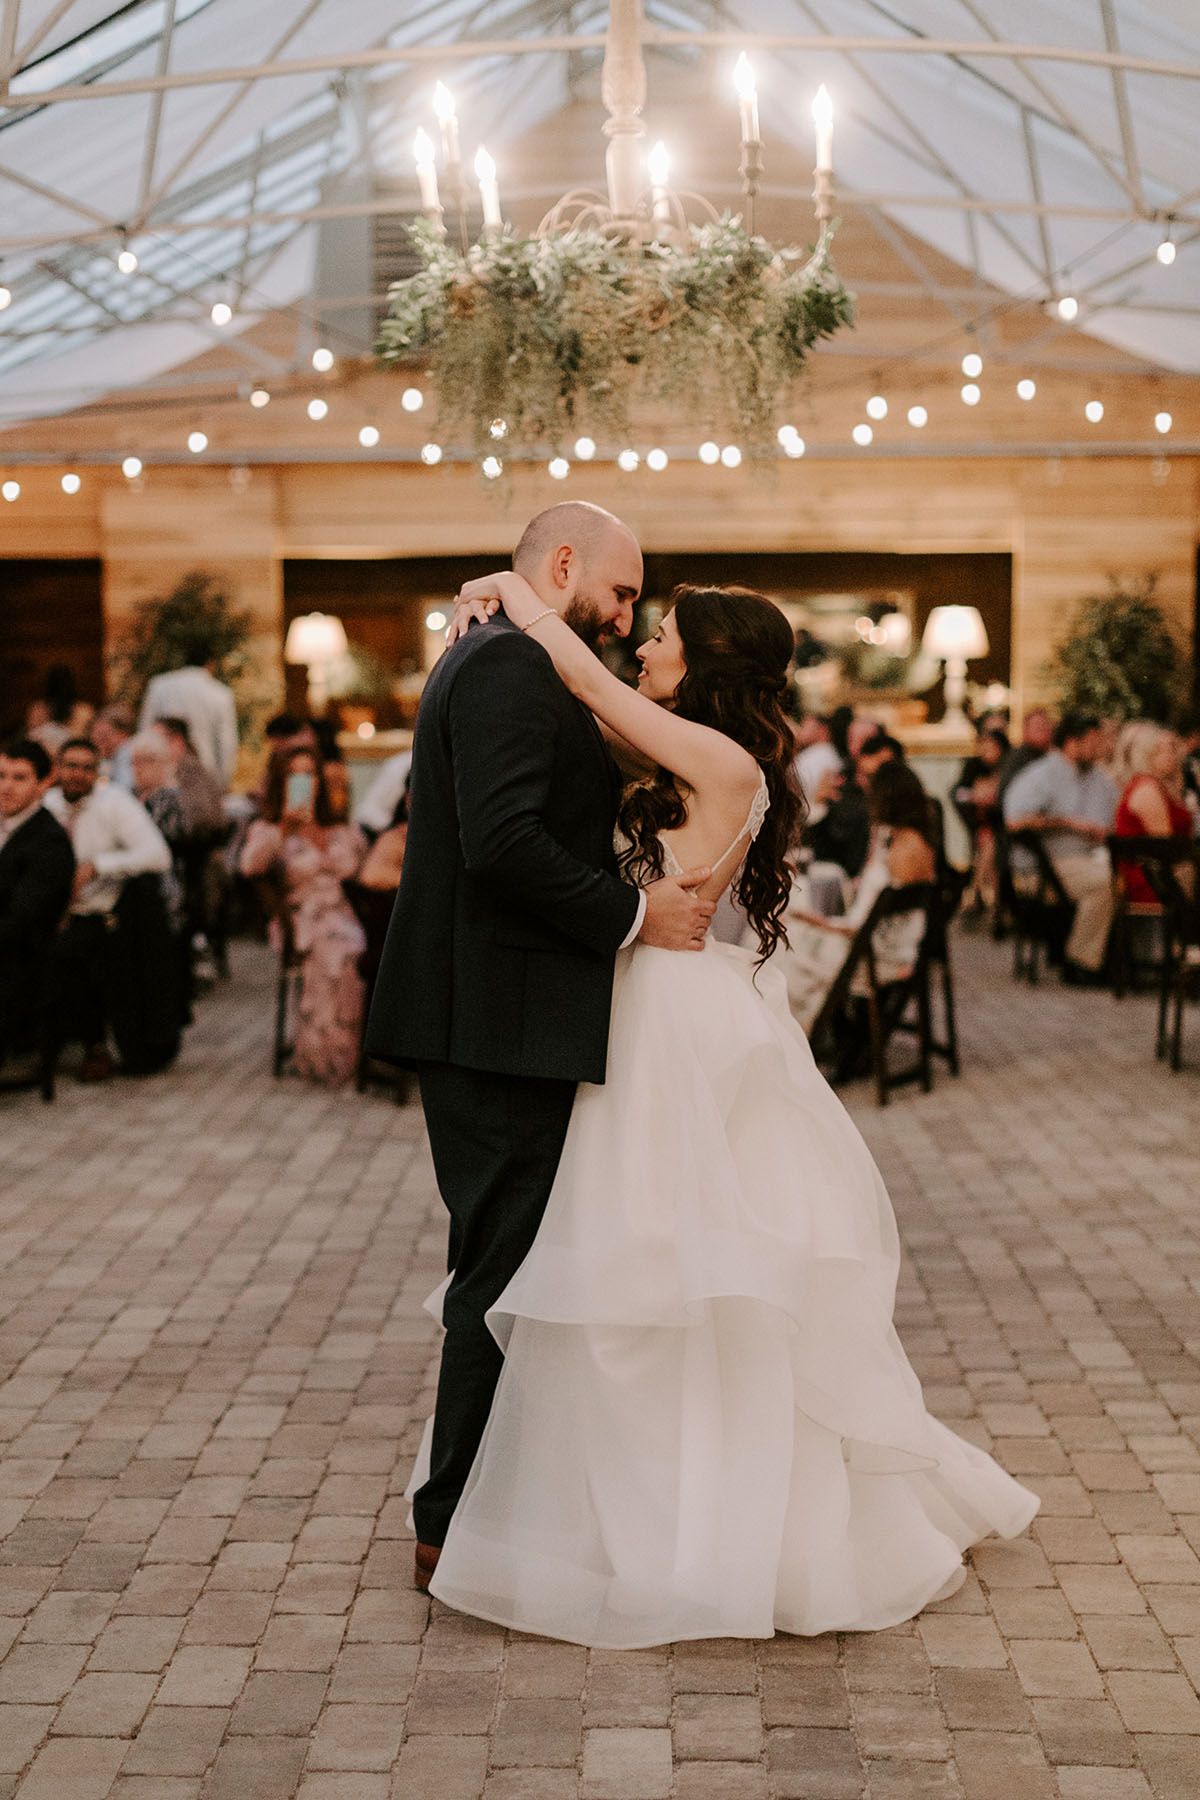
pixel 1151 803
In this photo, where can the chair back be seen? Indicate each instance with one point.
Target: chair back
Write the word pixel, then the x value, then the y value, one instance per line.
pixel 893 902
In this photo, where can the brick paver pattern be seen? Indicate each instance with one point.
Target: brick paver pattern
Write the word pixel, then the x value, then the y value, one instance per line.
pixel 215 1367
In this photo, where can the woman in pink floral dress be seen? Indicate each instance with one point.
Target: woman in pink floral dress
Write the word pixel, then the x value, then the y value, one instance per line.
pixel 297 839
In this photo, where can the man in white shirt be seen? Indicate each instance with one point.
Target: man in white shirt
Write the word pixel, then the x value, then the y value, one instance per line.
pixel 376 811
pixel 114 838
pixel 195 695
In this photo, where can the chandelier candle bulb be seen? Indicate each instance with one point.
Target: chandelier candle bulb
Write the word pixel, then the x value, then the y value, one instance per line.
pixel 658 164
pixel 489 191
pixel 447 118
pixel 747 93
pixel 822 110
pixel 426 173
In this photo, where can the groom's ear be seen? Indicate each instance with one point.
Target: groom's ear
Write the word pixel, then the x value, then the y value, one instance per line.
pixel 562 567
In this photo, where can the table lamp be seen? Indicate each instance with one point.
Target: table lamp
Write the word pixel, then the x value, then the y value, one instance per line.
pixel 954 634
pixel 316 639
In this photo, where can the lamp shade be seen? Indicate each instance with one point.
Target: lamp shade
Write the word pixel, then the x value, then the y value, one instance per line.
pixel 955 631
pixel 315 637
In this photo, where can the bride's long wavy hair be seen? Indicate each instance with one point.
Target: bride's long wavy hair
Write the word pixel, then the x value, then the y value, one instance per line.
pixel 736 648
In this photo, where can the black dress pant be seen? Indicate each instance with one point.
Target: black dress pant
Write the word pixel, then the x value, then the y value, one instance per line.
pixel 496 1142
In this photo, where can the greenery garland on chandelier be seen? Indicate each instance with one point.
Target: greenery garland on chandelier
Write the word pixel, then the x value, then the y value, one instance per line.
pixel 559 334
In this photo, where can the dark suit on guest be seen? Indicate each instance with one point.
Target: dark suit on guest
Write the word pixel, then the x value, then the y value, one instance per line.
pixel 496 980
pixel 37 866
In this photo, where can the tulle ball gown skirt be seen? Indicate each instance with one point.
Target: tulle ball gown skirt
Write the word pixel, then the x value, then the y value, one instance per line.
pixel 706 1425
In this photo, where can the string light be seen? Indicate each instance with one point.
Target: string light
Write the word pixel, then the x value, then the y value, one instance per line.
pixel 783 434
pixel 971 395
pixel 70 484
pixel 322 360
pixel 260 397
pixel 862 435
pixel 197 442
pixel 1026 389
pixel 498 428
pixel 657 460
pixel 559 468
pixel 731 456
pixel 127 261
pixel 318 409
pixel 131 468
pixel 11 490
pixel 492 467
pixel 5 297
pixel 220 312
pixel 1162 423
pixel 628 460
pixel 585 449
pixel 412 399
pixel 1093 412
pixel 918 416
pixel 1068 308
pixel 1166 250
pixel 709 452
pixel 431 454
pixel 435 621
pixel 368 437
pixel 795 446
pixel 877 407
pixel 972 365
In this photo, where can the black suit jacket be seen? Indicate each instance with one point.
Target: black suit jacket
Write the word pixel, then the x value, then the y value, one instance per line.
pixel 510 912
pixel 37 865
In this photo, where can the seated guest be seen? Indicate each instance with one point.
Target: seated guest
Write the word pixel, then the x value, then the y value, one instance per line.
pixel 1037 735
pixel 36 869
pixel 111 731
pixel 901 852
pixel 114 839
pixel 298 840
pixel 1151 805
pixel 1072 802
pixel 1189 738
pixel 838 830
pixel 201 796
pixel 975 801
pixel 385 859
pixel 816 755
pixel 375 812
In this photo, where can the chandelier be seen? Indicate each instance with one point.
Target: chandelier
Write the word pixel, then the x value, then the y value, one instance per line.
pixel 639 294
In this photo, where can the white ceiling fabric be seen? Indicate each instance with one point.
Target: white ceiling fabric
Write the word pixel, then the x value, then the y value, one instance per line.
pixel 959 150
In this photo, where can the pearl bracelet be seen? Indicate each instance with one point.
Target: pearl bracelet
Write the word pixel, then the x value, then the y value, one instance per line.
pixel 550 613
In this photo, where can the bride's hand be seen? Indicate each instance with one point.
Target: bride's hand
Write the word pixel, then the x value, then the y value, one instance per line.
pixel 475 601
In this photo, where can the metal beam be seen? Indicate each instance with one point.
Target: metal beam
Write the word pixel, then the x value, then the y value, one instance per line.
pixel 42 31
pixel 1121 101
pixel 427 55
pixel 157 102
pixel 8 42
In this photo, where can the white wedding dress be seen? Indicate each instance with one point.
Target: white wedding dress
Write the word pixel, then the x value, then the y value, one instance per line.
pixel 706 1426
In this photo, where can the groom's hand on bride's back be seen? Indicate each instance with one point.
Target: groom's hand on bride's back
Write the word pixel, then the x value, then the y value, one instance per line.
pixel 676 917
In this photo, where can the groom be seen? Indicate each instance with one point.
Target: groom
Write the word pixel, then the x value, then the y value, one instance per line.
pixel 496 978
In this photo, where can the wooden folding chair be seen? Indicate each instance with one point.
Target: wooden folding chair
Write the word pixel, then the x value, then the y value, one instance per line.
pixel 1126 853
pixel 1038 906
pixel 1172 868
pixel 272 895
pixel 859 987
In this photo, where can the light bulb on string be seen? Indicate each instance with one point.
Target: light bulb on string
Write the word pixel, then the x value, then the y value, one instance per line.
pixel 127 261
pixel 628 461
pixel 731 456
pixel 558 468
pixel 221 313
pixel 972 365
pixel 70 484
pixel 862 435
pixel 1026 389
pixel 709 452
pixel 1093 412
pixel 918 416
pixel 322 359
pixel 784 434
pixel 131 467
pixel 5 297
pixel 585 449
pixel 318 409
pixel 970 394
pixel 260 397
pixel 1162 423
pixel 197 442
pixel 412 399
pixel 795 446
pixel 877 407
pixel 492 467
pixel 1068 308
pixel 368 436
pixel 1166 250
pixel 431 455
pixel 11 490
pixel 657 460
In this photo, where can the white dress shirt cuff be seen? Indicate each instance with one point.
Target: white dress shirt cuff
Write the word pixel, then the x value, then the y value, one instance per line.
pixel 639 920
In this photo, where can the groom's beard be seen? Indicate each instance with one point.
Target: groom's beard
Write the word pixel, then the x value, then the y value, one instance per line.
pixel 586 622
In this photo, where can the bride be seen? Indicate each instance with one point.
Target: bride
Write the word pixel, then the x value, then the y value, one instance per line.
pixel 706 1425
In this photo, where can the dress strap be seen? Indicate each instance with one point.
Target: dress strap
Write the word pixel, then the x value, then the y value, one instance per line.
pixel 759 808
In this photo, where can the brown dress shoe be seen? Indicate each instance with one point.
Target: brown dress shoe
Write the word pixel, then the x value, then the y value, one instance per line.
pixel 425 1561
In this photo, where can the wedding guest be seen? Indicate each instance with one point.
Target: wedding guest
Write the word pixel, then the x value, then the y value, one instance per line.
pixel 816 755
pixel 1151 805
pixel 901 852
pixel 36 869
pixel 1037 734
pixel 841 834
pixel 111 731
pixel 60 713
pixel 1071 801
pixel 193 693
pixel 375 812
pixel 975 800
pixel 1189 738
pixel 114 838
pixel 298 840
pixel 200 794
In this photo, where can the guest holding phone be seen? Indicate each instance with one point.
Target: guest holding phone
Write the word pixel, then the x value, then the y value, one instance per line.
pixel 297 840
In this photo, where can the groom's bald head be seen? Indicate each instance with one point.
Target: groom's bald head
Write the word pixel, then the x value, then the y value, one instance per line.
pixel 586 564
